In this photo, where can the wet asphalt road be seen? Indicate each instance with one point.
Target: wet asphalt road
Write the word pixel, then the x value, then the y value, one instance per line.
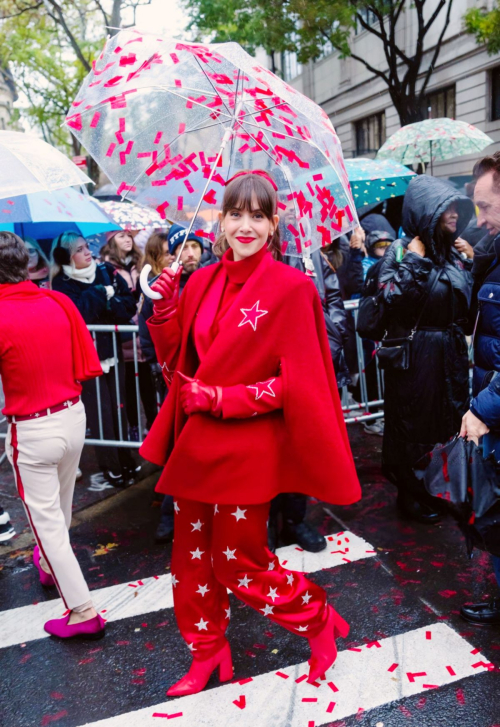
pixel 420 576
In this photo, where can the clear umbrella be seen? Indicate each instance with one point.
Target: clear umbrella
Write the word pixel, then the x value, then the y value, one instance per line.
pixel 29 165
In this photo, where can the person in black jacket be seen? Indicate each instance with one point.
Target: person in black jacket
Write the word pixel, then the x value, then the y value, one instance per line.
pixel 424 404
pixel 102 297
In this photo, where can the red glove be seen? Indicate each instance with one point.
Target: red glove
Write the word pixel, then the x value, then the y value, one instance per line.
pixel 168 285
pixel 197 397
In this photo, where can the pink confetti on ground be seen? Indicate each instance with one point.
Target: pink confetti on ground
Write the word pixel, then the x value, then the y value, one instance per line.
pixel 309 699
pixel 283 676
pixel 241 702
pixel 393 667
pixel 48 718
pixel 451 671
pixel 301 679
pixel 460 696
pixel 245 681
pixel 428 635
pixel 333 687
pixel 412 675
pixel 330 707
pixel 430 686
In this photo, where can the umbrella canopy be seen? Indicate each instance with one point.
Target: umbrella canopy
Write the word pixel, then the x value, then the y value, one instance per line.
pixel 31 165
pixel 433 140
pixel 132 216
pixel 154 111
pixel 373 180
pixel 47 214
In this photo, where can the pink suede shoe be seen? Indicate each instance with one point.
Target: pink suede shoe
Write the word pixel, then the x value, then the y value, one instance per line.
pixel 93 629
pixel 45 578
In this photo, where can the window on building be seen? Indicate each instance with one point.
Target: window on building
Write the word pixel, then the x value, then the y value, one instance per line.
pixel 368 16
pixel 495 93
pixel 290 66
pixel 439 104
pixel 370 134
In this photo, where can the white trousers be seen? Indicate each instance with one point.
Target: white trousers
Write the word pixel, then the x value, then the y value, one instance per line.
pixel 44 454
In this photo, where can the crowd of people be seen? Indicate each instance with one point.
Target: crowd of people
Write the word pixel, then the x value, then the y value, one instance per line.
pixel 259 390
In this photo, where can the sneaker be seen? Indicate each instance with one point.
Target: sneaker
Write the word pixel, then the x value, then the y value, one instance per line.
pixel 4 516
pixel 6 532
pixel 99 482
pixel 117 480
pixel 374 427
pixel 482 614
pixel 79 474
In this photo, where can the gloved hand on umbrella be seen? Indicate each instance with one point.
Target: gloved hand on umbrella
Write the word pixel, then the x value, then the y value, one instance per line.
pixel 199 397
pixel 168 285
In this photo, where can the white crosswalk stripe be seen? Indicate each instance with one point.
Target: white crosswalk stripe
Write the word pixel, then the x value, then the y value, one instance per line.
pixel 361 679
pixel 20 625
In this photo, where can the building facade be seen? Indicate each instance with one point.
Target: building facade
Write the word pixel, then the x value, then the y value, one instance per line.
pixel 465 85
pixel 7 97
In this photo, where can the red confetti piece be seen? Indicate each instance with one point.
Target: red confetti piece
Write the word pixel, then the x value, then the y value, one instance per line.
pixel 301 550
pixel 430 686
pixel 125 188
pixel 309 699
pixel 180 203
pixel 451 671
pixel 333 687
pixel 132 585
pixel 412 675
pixel 210 197
pixel 149 646
pixel 330 707
pixel 447 594
pixel 75 122
pixel 182 128
pixel 57 695
pixel 111 149
pixel 86 661
pixel 48 718
pixel 310 724
pixel 460 696
pixel 241 702
pixel 475 651
pixel 245 681
pixel 482 663
pixel 25 658
pixel 393 667
pixel 301 679
pixel 122 643
pixel 428 635
pixel 139 672
pixel 283 676
pixel 374 643
pixel 404 710
pixel 95 120
pixel 168 716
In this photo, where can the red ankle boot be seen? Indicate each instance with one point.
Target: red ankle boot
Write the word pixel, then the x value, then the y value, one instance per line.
pixel 200 671
pixel 323 647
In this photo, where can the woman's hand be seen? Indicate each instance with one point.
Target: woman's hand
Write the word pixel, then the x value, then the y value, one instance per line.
pixel 168 286
pixel 463 246
pixel 357 240
pixel 472 427
pixel 417 246
pixel 198 397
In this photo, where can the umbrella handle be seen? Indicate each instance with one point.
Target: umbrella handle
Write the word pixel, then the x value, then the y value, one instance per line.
pixel 143 280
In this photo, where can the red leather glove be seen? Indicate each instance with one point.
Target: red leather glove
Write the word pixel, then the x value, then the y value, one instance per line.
pixel 198 397
pixel 168 285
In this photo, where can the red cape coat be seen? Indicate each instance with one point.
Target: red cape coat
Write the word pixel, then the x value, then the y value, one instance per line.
pixel 303 447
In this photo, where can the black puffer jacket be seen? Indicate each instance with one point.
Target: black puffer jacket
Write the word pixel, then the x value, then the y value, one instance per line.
pixel 425 404
pixel 91 300
pixel 327 285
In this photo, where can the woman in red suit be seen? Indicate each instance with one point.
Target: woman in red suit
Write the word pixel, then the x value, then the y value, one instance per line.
pixel 252 411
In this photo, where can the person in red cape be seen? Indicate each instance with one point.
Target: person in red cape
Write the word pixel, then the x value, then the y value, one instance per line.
pixel 45 352
pixel 252 411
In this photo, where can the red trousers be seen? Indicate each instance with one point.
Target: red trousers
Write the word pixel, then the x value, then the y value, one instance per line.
pixel 217 547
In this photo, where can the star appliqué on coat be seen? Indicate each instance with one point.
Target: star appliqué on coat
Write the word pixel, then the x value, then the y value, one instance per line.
pixel 252 315
pixel 230 554
pixel 202 625
pixel 289 579
pixel 197 526
pixel 176 506
pixel 273 593
pixel 228 612
pixel 196 553
pixel 271 565
pixel 202 590
pixel 302 628
pixel 216 509
pixel 267 609
pixel 191 647
pixel 263 387
pixel 243 582
pixel 239 514
pixel 175 580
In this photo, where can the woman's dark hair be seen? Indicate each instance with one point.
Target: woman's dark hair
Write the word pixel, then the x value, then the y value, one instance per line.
pixel 114 254
pixel 153 252
pixel 334 254
pixel 442 245
pixel 239 195
pixel 14 259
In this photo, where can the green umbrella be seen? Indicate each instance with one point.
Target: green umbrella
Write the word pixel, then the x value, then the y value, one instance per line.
pixel 433 140
pixel 374 180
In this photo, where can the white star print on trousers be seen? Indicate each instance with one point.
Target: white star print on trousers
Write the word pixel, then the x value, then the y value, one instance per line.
pixel 229 551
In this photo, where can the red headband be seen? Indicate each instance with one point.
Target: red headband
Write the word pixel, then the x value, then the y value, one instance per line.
pixel 259 172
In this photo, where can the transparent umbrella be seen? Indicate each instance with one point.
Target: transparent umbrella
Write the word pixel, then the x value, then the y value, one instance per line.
pixel 170 122
pixel 29 164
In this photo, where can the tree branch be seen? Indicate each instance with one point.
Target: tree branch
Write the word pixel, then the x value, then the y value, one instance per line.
pixel 104 14
pixel 436 51
pixel 60 20
pixel 434 15
pixel 26 9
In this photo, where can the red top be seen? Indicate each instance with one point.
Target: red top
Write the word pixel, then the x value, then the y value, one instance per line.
pixel 36 358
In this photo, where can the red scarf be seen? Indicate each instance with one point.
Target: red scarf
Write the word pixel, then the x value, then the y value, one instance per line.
pixel 86 363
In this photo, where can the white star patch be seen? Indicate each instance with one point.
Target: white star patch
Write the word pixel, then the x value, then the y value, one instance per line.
pixel 273 593
pixel 197 526
pixel 191 647
pixel 263 387
pixel 302 628
pixel 267 609
pixel 196 553
pixel 252 315
pixel 239 514
pixel 176 506
pixel 175 581
pixel 228 612
pixel 216 509
pixel 230 554
pixel 202 590
pixel 289 579
pixel 271 565
pixel 202 625
pixel 243 582
pixel 306 598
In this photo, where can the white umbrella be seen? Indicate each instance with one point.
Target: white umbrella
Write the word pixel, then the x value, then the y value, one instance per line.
pixel 29 165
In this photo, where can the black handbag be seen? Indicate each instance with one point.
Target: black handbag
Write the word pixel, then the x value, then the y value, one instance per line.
pixel 395 353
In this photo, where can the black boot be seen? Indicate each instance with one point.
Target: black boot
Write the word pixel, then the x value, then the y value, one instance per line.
pixel 482 614
pixel 413 509
pixel 304 536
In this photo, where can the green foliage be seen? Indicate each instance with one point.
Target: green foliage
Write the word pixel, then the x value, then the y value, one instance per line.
pixel 485 26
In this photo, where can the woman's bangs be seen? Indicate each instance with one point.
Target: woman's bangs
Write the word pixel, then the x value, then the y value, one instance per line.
pixel 242 192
